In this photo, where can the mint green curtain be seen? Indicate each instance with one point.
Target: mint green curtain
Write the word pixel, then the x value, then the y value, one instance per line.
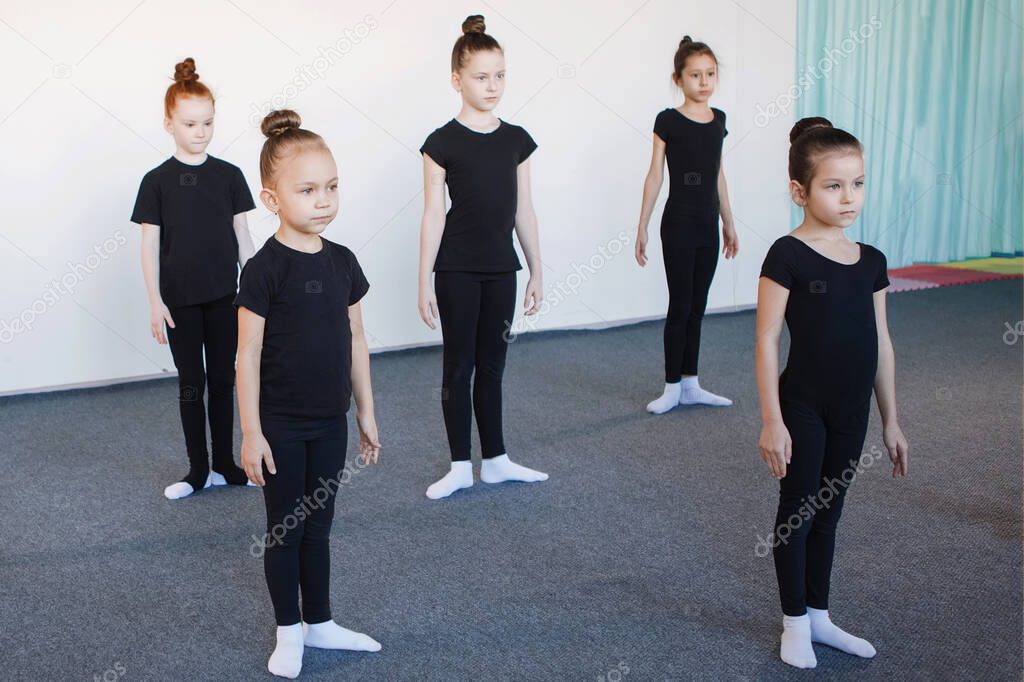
pixel 933 89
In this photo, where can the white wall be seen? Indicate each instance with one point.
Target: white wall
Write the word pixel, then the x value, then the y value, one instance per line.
pixel 80 119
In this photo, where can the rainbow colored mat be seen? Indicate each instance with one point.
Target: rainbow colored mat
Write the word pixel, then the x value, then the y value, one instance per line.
pixel 915 277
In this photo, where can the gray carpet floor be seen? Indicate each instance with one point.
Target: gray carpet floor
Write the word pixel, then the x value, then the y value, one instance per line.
pixel 637 560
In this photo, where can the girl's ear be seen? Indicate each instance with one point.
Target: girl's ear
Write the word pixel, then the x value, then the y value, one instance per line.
pixel 456 82
pixel 269 199
pixel 167 126
pixel 796 191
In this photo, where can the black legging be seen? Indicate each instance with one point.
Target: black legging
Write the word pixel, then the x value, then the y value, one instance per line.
pixel 211 328
pixel 310 462
pixel 689 271
pixel 827 442
pixel 476 312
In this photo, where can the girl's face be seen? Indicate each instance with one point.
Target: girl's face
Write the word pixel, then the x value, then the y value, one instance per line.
pixel 699 78
pixel 835 193
pixel 306 192
pixel 482 79
pixel 191 123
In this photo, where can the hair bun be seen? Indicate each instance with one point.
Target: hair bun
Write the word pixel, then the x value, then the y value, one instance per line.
pixel 474 24
pixel 185 71
pixel 279 122
pixel 685 40
pixel 805 125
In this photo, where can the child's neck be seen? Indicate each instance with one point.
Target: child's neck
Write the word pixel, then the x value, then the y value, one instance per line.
pixel 812 228
pixel 298 240
pixel 476 118
pixel 189 158
pixel 691 107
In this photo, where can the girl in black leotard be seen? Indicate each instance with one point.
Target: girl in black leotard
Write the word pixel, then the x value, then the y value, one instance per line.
pixel 194 237
pixel 691 139
pixel 831 292
pixel 485 162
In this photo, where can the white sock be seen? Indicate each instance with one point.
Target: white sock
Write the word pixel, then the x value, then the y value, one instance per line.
pixel 796 646
pixel 501 468
pixel 460 476
pixel 668 400
pixel 176 491
pixel 693 394
pixel 824 631
pixel 286 661
pixel 330 635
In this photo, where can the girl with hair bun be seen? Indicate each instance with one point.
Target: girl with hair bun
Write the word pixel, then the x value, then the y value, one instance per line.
pixel 690 138
pixel 485 162
pixel 831 293
pixel 302 357
pixel 194 238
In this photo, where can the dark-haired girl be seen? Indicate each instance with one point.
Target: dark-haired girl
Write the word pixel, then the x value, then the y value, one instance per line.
pixel 485 162
pixel 194 237
pixel 690 138
pixel 831 293
pixel 302 356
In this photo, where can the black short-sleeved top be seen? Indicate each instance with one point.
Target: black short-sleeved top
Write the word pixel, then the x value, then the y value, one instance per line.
pixel 833 351
pixel 694 154
pixel 480 169
pixel 195 206
pixel 306 362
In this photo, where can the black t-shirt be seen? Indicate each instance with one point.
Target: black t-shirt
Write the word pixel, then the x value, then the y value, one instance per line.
pixel 833 350
pixel 195 208
pixel 306 362
pixel 480 169
pixel 694 154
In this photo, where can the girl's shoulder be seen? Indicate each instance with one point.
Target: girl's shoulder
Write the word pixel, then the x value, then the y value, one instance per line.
pixel 154 173
pixel 718 112
pixel 872 252
pixel 222 165
pixel 512 126
pixel 442 130
pixel 336 249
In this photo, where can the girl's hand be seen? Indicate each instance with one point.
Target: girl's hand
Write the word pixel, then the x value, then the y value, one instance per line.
pixel 641 247
pixel 776 448
pixel 256 451
pixel 369 441
pixel 428 305
pixel 730 242
pixel 158 314
pixel 899 449
pixel 534 295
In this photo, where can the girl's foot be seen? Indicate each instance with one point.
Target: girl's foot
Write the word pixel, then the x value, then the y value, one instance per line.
pixel 668 400
pixel 796 646
pixel 501 468
pixel 286 661
pixel 330 635
pixel 460 476
pixel 692 394
pixel 824 631
pixel 176 491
